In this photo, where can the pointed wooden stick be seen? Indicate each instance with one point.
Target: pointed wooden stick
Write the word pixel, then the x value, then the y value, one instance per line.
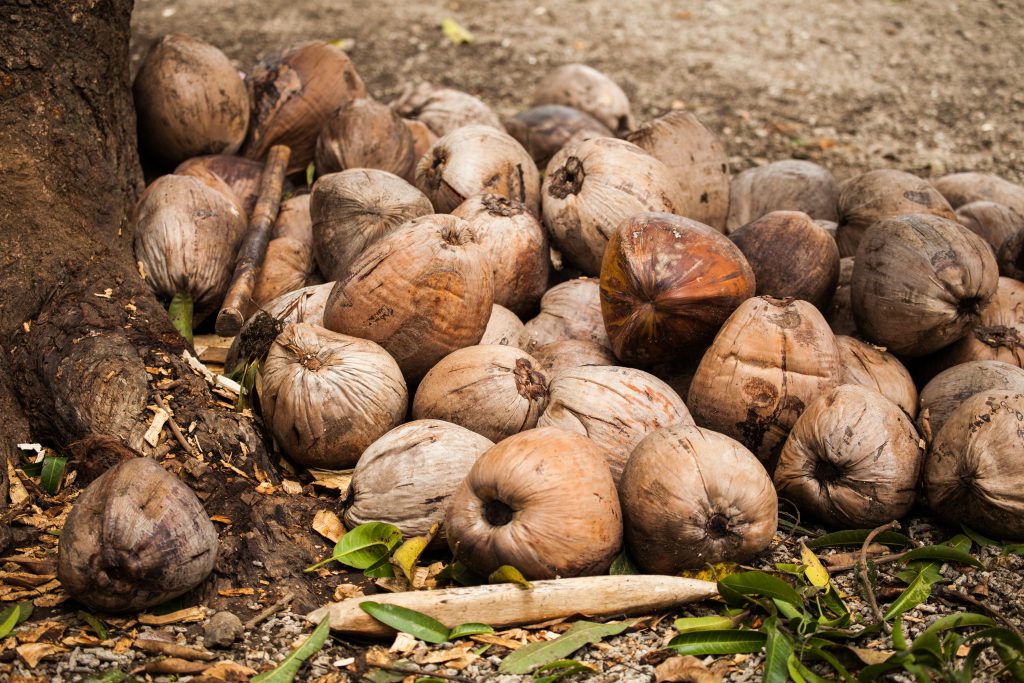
pixel 503 605
pixel 254 246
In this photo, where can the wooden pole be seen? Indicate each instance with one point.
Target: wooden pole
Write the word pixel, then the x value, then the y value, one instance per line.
pixel 254 246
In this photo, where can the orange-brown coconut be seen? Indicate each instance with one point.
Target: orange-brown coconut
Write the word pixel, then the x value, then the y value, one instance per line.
pixel 569 310
pixel 571 353
pixel 542 501
pixel 504 327
pixel 365 134
pixel 241 175
pixel 789 185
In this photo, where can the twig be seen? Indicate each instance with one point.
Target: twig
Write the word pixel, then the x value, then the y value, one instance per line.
pixel 880 559
pixel 866 580
pixel 270 611
pixel 412 671
pixel 956 595
pixel 173 650
pixel 175 430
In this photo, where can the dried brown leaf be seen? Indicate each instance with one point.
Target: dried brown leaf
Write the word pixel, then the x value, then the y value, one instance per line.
pixel 181 616
pixel 33 653
pixel 328 525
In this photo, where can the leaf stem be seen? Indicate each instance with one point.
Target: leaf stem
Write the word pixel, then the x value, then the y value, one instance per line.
pixel 865 579
pixel 180 313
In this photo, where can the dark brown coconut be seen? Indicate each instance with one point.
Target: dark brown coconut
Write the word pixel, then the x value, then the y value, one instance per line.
pixel 571 353
pixel 542 501
pixel 770 360
pixel 353 209
pixel 791 256
pixel 590 91
pixel 421 292
pixel 189 100
pixel 964 188
pixel 443 110
pixel 493 390
pixel 287 266
pixel 947 390
pixel 789 185
pixel 406 476
pixel 697 159
pixel 241 175
pixel 999 334
pixel 592 186
pixel 667 285
pixel 851 460
pixel 692 497
pixel 974 473
pixel 186 236
pixel 877 195
pixel 365 134
pixel 678 373
pixel 840 311
pixel 614 407
pixel 327 396
pixel 294 95
pixel 504 327
pixel 544 130
pixel 992 222
pixel 136 537
pixel 474 160
pixel 1010 256
pixel 920 283
pixel 569 310
pixel 873 368
pixel 516 245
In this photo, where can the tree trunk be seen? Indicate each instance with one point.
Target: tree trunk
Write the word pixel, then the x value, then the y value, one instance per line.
pixel 84 340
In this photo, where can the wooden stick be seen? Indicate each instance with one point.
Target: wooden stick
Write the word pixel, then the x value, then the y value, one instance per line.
pixel 504 605
pixel 862 573
pixel 254 246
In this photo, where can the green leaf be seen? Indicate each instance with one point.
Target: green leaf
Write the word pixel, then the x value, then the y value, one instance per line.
pixel 800 673
pixel 180 313
pixel 310 173
pixel 381 570
pixel 854 538
pixel 290 665
pixel 695 624
pixel 53 473
pixel 112 676
pixel 456 33
pixel 11 617
pixel 718 643
pixel 559 669
pixel 983 541
pixel 365 546
pixel 10 622
pixel 954 621
pixel 778 647
pixel 506 573
pixel 622 565
pixel 408 554
pixel 470 629
pixel 759 585
pixel 960 542
pixel 95 624
pixel 416 624
pixel 32 469
pixel 943 553
pixel 529 657
pixel 459 573
pixel 919 590
pixel 248 385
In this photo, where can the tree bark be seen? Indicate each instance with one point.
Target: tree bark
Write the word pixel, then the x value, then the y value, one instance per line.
pixel 83 339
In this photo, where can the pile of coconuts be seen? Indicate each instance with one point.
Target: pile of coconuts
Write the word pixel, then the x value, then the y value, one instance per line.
pixel 563 335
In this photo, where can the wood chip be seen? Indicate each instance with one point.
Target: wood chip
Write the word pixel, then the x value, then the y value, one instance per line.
pixel 25 579
pixel 230 671
pixel 344 591
pixel 235 592
pixel 291 487
pixel 33 653
pixel 152 435
pixel 51 599
pixel 221 519
pixel 332 479
pixel 327 524
pixel 404 643
pixel 17 492
pixel 181 616
pixel 212 348
pixel 377 656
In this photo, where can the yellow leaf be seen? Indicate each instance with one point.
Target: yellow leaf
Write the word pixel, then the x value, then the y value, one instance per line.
pixel 816 572
pixel 714 572
pixel 455 33
pixel 409 552
pixel 508 574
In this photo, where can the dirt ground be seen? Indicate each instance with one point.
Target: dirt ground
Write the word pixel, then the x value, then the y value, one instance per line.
pixel 928 86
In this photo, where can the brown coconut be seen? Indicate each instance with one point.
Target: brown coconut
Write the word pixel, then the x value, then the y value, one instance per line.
pixel 422 139
pixel 872 367
pixel 789 185
pixel 1010 256
pixel 567 354
pixel 504 327
pixel 974 472
pixel 493 390
pixel 840 310
pixel 948 389
pixel 443 110
pixel 474 160
pixel 614 407
pixel 999 334
pixel 294 94
pixel 692 497
pixel 406 477
pixel 353 209
pixel 189 100
pixel 587 89
pixel 992 222
pixel 241 175
pixel 544 130
pixel 697 159
pixel 287 266
pixel 770 360
pixel 920 283
pixel 542 501
pixel 592 186
pixel 877 195
pixel 136 537
pixel 365 134
pixel 569 310
pixel 963 188
pixel 791 256
pixel 294 220
pixel 327 396
pixel 516 245
pixel 421 292
pixel 852 460
pixel 667 285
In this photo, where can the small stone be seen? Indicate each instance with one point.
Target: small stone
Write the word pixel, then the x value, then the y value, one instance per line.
pixel 222 629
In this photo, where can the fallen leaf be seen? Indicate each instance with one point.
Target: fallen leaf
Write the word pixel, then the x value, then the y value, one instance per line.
pixel 456 33
pixel 327 524
pixel 221 519
pixel 687 669
pixel 53 629
pixel 185 615
pixel 51 599
pixel 230 671
pixel 870 655
pixel 332 479
pixel 291 487
pixel 33 653
pixel 489 639
pixel 18 493
pixel 963 650
pixel 377 656
pixel 344 591
pixel 172 665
